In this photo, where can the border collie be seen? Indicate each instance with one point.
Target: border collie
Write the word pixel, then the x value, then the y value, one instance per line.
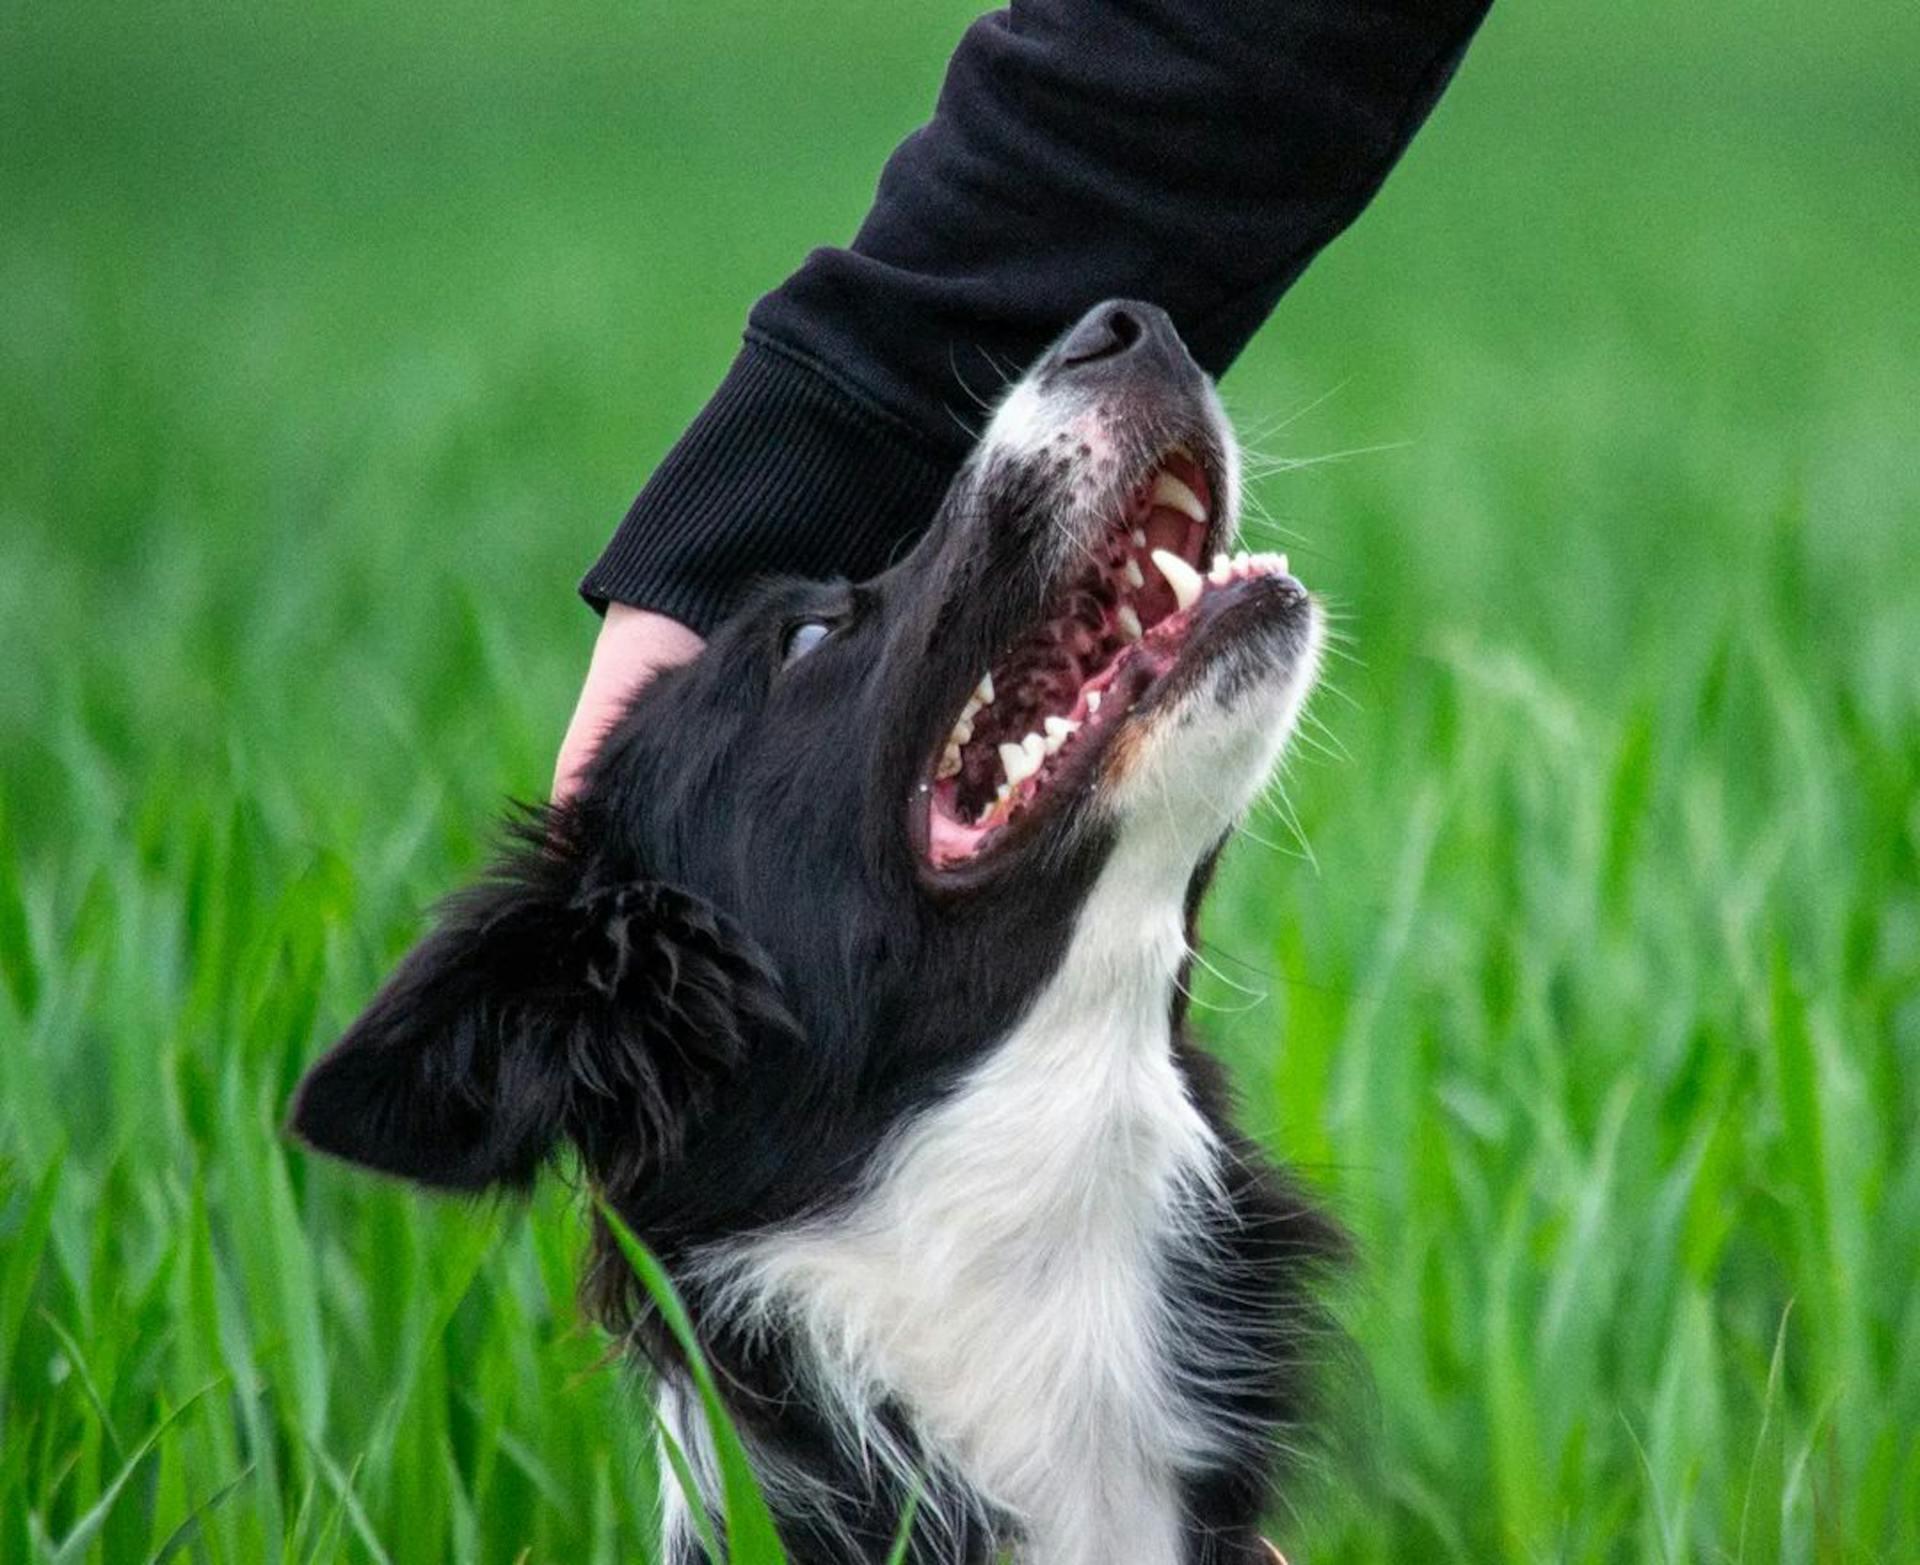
pixel 856 975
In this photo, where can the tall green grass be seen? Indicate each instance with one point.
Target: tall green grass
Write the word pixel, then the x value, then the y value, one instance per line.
pixel 1579 967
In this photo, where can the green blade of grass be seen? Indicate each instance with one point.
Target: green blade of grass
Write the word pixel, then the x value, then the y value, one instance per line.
pixel 18 967
pixel 347 1501
pixel 903 1540
pixel 682 1472
pixel 72 1549
pixel 751 1536
pixel 188 1532
pixel 24 1249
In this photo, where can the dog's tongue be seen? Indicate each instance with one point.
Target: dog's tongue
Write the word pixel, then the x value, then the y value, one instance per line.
pixel 949 840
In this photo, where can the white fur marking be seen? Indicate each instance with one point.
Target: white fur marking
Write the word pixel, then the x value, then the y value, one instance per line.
pixel 688 1427
pixel 999 1276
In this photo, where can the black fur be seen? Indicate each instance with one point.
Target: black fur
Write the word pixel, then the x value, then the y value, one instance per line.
pixel 545 1007
pixel 724 975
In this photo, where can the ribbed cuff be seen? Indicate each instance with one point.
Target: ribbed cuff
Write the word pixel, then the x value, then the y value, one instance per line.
pixel 786 471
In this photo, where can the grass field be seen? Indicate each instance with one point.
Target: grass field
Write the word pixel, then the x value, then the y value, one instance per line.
pixel 333 340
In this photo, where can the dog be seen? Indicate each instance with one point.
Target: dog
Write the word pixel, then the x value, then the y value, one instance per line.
pixel 856 974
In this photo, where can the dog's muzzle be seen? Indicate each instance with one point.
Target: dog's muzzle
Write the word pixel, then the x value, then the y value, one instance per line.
pixel 1121 434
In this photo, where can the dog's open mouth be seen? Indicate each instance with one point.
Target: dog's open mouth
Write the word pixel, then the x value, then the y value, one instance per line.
pixel 1036 722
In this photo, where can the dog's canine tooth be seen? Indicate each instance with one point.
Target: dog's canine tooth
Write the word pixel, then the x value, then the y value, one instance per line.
pixel 1129 622
pixel 1181 577
pixel 1021 761
pixel 1176 496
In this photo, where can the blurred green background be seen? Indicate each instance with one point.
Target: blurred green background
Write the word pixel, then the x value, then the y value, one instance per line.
pixel 1581 966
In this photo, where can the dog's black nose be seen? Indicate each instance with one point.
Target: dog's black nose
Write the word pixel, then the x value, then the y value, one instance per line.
pixel 1119 330
pixel 1104 332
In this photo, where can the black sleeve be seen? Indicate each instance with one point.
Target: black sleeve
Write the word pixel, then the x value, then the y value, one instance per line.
pixel 1195 153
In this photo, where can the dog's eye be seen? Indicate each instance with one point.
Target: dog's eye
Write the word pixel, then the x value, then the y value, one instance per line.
pixel 803 638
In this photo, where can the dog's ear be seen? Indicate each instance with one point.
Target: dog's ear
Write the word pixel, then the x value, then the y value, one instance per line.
pixel 534 1012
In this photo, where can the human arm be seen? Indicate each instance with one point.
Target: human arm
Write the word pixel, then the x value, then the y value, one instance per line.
pixel 1196 153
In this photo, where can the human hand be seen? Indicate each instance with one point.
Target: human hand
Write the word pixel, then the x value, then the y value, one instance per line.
pixel 634 645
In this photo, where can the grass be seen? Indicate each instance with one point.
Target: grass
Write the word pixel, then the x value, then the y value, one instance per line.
pixel 333 341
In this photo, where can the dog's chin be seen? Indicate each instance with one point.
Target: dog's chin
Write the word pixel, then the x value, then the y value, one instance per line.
pixel 1195 752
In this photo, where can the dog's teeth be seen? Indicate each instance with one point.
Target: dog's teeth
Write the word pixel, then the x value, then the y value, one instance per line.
pixel 1242 563
pixel 1059 731
pixel 1093 702
pixel 1172 493
pixel 1000 796
pixel 1129 622
pixel 1181 577
pixel 984 690
pixel 949 762
pixel 1280 564
pixel 1135 578
pixel 1022 760
pixel 1222 571
pixel 1139 536
pixel 963 730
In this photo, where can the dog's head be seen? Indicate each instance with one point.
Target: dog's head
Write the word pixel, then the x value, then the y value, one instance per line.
pixel 855 834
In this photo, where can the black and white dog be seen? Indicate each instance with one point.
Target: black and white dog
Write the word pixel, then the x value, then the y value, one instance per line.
pixel 856 976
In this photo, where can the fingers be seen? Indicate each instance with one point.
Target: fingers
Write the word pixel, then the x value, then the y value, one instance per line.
pixel 633 646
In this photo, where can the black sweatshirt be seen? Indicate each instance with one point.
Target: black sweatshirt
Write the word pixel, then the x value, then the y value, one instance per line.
pixel 1195 153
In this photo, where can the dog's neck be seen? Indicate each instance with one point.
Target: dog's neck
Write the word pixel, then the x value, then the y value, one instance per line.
pixel 1122 962
pixel 1082 1148
pixel 1042 1195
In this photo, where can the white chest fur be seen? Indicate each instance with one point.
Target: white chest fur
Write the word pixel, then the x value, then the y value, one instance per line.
pixel 1000 1276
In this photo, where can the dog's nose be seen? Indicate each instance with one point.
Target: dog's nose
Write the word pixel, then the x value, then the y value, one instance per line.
pixel 1105 332
pixel 1111 335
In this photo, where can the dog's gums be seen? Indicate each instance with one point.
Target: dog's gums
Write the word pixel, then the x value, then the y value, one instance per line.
pixel 1041 715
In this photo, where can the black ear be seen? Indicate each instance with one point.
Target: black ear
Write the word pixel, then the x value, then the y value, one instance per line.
pixel 537 1011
